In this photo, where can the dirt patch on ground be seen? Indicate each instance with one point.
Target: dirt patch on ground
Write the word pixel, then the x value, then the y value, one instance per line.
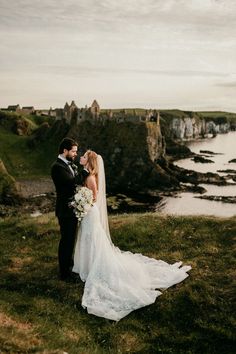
pixel 17 263
pixel 17 335
pixel 33 187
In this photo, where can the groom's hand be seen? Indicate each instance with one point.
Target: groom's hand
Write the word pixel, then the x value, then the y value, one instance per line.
pixel 85 173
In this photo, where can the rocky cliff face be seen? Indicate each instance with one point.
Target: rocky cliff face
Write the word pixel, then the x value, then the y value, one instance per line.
pixel 130 152
pixel 182 125
pixel 192 128
pixel 155 141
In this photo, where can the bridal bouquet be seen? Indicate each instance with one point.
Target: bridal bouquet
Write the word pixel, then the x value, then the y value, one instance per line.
pixel 82 202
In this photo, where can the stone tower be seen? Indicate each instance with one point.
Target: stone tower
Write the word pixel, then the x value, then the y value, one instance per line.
pixel 95 109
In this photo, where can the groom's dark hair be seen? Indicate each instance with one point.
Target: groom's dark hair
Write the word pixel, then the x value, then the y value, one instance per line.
pixel 67 143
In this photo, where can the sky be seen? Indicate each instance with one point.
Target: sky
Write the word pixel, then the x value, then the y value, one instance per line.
pixel 156 54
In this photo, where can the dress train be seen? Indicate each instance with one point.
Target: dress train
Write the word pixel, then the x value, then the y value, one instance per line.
pixel 118 282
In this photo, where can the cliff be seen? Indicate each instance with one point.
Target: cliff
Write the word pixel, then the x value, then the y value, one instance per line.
pixel 182 125
pixel 130 153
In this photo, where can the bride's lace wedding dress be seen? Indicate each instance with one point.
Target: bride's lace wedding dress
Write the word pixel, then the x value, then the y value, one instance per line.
pixel 117 282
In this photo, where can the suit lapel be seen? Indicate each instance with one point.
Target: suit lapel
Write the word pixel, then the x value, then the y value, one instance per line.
pixel 64 165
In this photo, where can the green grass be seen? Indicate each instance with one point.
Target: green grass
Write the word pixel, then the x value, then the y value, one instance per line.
pixel 219 116
pixel 38 120
pixel 21 160
pixel 38 313
pixel 138 111
pixel 9 121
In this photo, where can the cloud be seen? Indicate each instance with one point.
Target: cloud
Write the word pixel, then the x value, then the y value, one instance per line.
pixel 196 15
pixel 180 45
pixel 230 84
pixel 91 71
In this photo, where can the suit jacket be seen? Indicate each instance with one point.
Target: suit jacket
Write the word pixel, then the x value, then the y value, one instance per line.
pixel 65 184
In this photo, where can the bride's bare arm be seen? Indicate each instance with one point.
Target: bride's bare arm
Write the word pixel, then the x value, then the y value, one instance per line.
pixel 91 184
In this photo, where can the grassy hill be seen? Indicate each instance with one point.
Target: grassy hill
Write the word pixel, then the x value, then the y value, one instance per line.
pixel 40 314
pixel 20 159
pixel 221 117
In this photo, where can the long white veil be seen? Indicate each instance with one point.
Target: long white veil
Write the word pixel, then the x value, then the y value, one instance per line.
pixel 101 196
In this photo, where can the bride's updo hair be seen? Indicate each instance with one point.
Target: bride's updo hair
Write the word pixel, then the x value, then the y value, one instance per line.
pixel 92 164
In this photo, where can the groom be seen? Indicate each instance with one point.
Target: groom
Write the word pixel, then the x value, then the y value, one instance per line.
pixel 65 177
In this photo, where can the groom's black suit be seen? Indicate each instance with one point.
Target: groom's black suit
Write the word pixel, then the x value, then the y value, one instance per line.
pixel 65 182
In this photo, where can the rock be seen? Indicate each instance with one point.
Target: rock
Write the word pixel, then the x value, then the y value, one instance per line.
pixel 227 171
pixel 194 188
pixel 132 203
pixel 209 152
pixel 21 127
pixel 217 198
pixel 177 150
pixel 201 159
pixel 43 203
pixel 193 177
pixel 233 160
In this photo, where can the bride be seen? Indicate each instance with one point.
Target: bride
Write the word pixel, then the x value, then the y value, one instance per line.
pixel 116 282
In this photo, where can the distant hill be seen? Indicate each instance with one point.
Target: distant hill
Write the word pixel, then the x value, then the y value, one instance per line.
pixel 178 113
pixel 219 116
pixel 169 114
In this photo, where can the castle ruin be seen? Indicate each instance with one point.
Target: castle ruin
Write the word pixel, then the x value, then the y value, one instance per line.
pixel 72 114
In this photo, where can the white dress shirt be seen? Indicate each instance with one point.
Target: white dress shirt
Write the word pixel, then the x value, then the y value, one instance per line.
pixel 67 162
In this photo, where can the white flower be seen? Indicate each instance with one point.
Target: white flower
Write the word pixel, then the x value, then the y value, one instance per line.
pixel 77 197
pixel 82 202
pixel 87 207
